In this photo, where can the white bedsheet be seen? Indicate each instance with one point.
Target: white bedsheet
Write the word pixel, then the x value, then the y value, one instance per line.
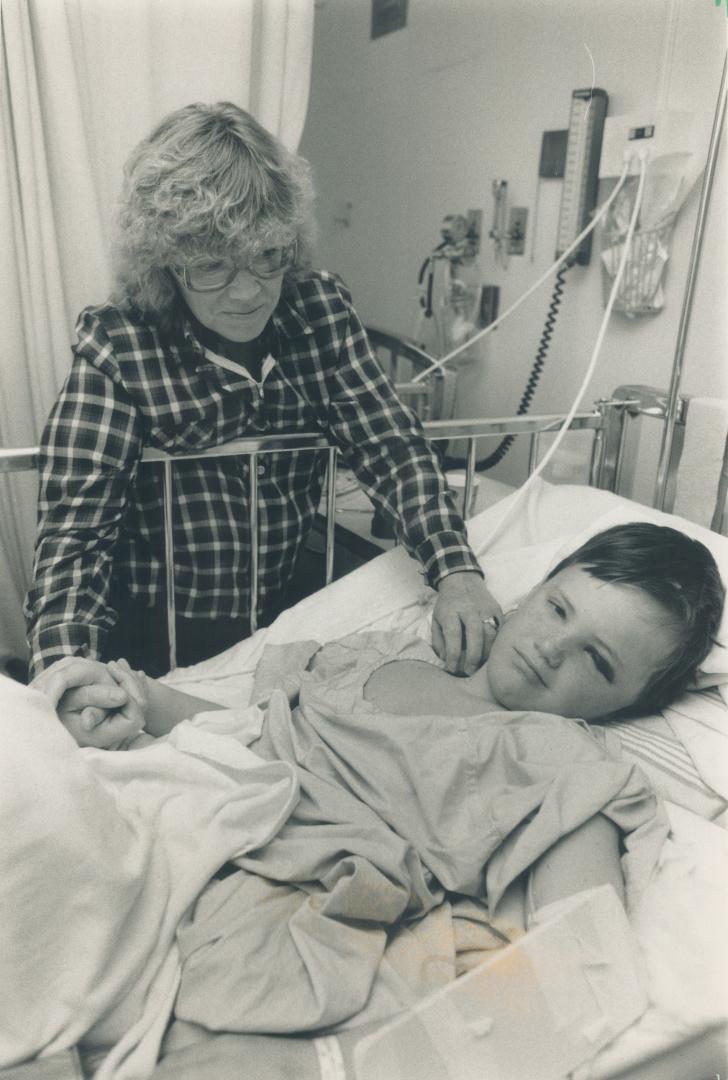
pixel 102 854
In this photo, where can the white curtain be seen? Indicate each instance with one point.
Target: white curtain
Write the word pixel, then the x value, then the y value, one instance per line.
pixel 81 81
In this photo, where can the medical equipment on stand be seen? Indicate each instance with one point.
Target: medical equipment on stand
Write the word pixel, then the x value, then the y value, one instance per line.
pixel 451 291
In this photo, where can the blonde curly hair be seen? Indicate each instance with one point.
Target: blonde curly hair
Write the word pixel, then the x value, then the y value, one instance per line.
pixel 208 181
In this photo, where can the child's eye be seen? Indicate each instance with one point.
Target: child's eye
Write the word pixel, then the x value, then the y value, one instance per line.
pixel 602 666
pixel 559 610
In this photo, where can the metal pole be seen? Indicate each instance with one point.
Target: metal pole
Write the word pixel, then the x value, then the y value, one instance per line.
pixel 595 461
pixel 533 452
pixel 330 513
pixel 253 510
pixel 719 513
pixel 169 564
pixel 469 472
pixel 674 391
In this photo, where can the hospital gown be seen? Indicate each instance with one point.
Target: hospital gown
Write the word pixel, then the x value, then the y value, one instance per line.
pixel 395 815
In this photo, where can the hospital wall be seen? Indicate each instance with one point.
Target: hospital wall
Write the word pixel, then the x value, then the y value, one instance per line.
pixel 409 127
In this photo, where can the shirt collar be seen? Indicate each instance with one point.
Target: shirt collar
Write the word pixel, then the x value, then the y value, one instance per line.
pixel 238 371
pixel 227 371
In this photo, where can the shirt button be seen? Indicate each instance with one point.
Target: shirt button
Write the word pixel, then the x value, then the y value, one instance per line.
pixel 261 470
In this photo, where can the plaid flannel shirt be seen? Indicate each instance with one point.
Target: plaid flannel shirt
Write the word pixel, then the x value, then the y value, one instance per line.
pixel 100 510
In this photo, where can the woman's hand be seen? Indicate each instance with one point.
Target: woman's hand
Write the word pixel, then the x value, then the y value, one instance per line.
pixel 100 705
pixel 464 622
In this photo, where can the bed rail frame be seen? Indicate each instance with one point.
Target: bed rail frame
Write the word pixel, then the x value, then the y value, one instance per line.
pixel 608 420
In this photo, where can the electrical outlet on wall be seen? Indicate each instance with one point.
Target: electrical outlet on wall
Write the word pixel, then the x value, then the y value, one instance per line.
pixel 517 230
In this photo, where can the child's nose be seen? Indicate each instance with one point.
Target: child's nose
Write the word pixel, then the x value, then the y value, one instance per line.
pixel 551 648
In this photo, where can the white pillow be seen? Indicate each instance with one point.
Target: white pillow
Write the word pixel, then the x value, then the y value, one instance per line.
pixel 675 770
pixel 714 669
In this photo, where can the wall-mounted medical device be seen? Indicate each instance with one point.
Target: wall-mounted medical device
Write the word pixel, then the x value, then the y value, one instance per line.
pixel 508 231
pixel 499 230
pixel 574 154
pixel 661 132
pixel 666 139
pixel 581 170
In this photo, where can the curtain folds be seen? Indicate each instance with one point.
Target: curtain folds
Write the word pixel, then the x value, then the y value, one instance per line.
pixel 81 81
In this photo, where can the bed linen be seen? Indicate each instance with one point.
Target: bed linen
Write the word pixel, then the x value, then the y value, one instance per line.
pixel 686 961
pixel 393 813
pixel 102 854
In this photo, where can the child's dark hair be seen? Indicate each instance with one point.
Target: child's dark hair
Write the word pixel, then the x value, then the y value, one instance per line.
pixel 677 572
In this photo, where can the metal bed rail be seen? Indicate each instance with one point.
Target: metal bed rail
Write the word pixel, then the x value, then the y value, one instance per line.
pixel 607 420
pixel 402 359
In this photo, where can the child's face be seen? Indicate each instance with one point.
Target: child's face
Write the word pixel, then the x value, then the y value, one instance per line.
pixel 579 647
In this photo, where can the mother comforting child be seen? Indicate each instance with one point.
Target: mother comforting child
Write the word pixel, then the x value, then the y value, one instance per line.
pixel 415 785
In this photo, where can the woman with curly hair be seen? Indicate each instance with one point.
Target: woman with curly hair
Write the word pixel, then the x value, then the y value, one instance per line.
pixel 219 328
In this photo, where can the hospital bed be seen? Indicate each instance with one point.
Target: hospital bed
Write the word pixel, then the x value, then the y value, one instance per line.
pixel 682 1031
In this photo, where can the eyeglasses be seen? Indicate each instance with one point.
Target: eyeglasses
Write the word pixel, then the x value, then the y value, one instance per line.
pixel 218 273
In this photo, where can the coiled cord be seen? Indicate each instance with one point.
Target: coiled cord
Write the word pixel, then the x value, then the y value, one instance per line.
pixel 530 389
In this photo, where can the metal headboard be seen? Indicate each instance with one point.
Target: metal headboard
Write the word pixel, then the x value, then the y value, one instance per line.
pixel 608 420
pixel 401 359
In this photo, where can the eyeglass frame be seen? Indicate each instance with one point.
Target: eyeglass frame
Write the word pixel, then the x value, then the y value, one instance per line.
pixel 181 272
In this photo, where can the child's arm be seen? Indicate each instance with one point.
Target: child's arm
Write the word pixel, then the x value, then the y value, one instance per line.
pixel 583 859
pixel 107 706
pixel 167 707
pixel 161 707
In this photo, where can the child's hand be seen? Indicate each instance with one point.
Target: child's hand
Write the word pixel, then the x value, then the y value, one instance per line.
pixel 116 729
pixel 100 705
pixel 82 691
pixel 136 686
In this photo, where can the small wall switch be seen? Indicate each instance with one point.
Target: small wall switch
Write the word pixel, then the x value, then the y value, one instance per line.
pixel 517 230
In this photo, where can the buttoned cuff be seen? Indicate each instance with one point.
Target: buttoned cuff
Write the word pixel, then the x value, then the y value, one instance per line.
pixel 446 553
pixel 64 639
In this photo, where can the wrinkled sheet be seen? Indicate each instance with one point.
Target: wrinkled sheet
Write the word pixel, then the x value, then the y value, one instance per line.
pixel 102 854
pixel 394 814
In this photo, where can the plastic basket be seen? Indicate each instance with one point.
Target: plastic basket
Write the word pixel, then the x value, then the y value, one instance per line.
pixel 640 290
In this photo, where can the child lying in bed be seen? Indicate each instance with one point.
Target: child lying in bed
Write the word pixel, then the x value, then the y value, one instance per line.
pixel 448 786
pixel 620 625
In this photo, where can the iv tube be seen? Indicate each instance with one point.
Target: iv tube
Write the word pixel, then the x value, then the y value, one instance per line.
pixel 517 303
pixel 592 363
